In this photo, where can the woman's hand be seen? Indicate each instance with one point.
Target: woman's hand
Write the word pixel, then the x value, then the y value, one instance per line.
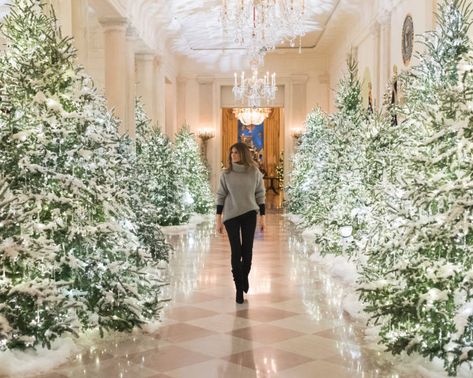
pixel 218 224
pixel 262 223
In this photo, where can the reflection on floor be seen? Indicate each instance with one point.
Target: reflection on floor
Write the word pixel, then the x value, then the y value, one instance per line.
pixel 274 200
pixel 291 324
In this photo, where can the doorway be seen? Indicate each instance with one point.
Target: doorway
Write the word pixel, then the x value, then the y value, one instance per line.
pixel 265 144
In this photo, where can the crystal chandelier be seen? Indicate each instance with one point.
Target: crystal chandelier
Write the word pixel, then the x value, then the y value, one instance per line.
pixel 260 25
pixel 255 89
pixel 251 116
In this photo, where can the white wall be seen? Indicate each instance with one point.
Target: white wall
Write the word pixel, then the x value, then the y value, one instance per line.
pixel 375 35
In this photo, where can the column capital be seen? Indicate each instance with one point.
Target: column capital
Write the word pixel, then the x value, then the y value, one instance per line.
pixel 384 16
pixel 131 33
pixel 158 60
pixel 182 79
pixel 114 23
pixel 205 79
pixel 145 56
pixel 143 52
pixel 299 78
pixel 375 27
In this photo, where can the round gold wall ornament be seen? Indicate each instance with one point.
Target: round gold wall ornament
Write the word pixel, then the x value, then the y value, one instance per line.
pixel 407 39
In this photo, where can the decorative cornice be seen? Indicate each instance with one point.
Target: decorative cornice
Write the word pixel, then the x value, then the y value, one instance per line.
pixel 145 56
pixel 182 79
pixel 114 23
pixel 385 9
pixel 299 78
pixel 205 79
pixel 131 33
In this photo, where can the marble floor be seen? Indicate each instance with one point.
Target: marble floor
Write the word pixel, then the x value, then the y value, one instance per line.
pixel 291 324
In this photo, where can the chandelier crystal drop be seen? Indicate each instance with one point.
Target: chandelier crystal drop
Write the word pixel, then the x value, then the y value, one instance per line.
pixel 255 89
pixel 251 116
pixel 260 25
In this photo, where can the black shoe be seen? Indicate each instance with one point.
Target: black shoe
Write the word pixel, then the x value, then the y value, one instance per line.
pixel 239 296
pixel 246 284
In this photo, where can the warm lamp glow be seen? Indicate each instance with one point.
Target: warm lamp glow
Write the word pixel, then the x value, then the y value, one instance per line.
pixel 254 89
pixel 260 25
pixel 297 132
pixel 251 116
pixel 206 133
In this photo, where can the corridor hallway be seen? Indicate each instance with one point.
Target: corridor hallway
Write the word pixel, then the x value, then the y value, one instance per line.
pixel 290 326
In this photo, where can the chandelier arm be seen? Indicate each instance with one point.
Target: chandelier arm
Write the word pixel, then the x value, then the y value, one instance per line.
pixel 259 26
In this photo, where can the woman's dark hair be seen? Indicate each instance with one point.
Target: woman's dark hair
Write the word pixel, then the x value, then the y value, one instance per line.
pixel 245 156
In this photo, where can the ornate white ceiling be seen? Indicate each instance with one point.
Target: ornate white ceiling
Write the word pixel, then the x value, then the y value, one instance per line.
pixel 192 28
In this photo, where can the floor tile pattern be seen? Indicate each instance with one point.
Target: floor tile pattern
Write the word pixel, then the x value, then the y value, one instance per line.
pixel 290 325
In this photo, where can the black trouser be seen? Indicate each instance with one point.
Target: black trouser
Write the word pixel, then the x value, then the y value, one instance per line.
pixel 242 248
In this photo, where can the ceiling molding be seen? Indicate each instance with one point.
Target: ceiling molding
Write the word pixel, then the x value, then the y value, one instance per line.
pixel 329 18
pixel 106 9
pixel 309 47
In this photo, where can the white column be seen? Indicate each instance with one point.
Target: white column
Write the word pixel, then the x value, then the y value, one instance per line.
pixel 181 102
pixel 159 93
pixel 170 107
pixel 299 100
pixel 208 111
pixel 116 72
pixel 288 115
pixel 206 100
pixel 385 55
pixel 296 113
pixel 433 14
pixel 63 11
pixel 131 41
pixel 377 80
pixel 145 86
pixel 80 30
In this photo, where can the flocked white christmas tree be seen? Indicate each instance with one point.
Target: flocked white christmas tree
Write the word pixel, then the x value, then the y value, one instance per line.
pixel 308 165
pixel 136 182
pixel 418 281
pixel 345 194
pixel 163 183
pixel 71 260
pixel 193 171
pixel 327 185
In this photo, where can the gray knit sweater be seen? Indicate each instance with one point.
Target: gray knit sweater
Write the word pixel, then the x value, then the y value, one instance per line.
pixel 241 190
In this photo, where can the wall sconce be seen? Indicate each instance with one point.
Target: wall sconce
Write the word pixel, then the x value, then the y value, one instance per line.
pixel 205 134
pixel 297 132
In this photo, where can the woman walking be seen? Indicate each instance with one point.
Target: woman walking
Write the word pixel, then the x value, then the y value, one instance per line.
pixel 240 195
